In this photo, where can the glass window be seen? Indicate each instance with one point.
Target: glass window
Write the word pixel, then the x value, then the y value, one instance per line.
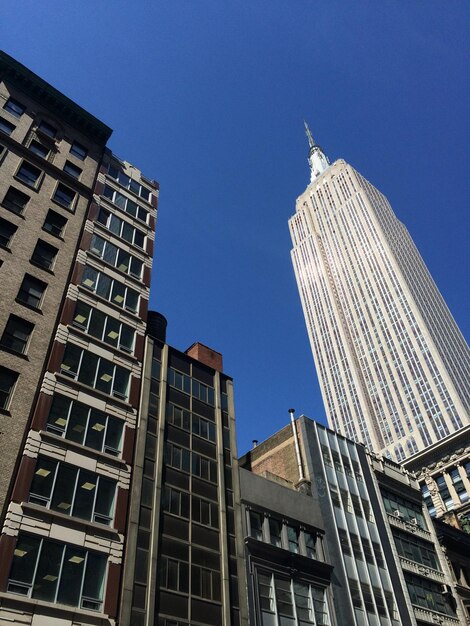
pixel 116 256
pixel 130 207
pixel 111 290
pixel 37 148
pixel 8 380
pixel 104 327
pixel 95 371
pixel 28 174
pixel 205 583
pixel 87 426
pixel 44 255
pixel 174 574
pixel 177 416
pixel 428 594
pixel 78 150
pixel 256 525
pixel 64 196
pixel 6 127
pixel 293 538
pixel 73 491
pixel 275 532
pixel 47 129
pixel 15 201
pixel 7 230
pixel 54 223
pixel 16 334
pixel 415 549
pixel 72 169
pixel 128 182
pixel 54 572
pixel 14 107
pixel 203 428
pixel 31 291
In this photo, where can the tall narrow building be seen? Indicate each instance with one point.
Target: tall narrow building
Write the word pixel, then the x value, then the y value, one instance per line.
pixel 394 368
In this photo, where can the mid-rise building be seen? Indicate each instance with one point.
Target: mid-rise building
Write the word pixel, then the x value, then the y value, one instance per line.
pixel 77 226
pixel 393 367
pixel 364 545
pixel 184 559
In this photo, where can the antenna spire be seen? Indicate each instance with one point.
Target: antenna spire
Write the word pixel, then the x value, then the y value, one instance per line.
pixel 317 159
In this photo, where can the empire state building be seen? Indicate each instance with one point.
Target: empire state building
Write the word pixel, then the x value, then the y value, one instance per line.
pixel 393 366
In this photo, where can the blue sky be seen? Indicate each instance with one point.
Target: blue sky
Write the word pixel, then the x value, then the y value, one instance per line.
pixel 208 97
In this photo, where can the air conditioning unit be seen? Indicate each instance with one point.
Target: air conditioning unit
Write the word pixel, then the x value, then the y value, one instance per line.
pixel 414 521
pixel 397 513
pixel 445 589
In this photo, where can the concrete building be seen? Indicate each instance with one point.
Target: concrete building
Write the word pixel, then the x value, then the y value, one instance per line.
pixel 393 367
pixel 366 552
pixel 77 232
pixel 184 564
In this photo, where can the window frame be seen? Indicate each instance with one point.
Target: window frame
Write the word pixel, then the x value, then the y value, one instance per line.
pixel 6 393
pixel 93 313
pixel 59 197
pixel 40 299
pixel 95 277
pixel 6 236
pixel 54 231
pixel 6 127
pixel 14 107
pixel 25 342
pixel 11 205
pixel 78 150
pixel 111 254
pixel 26 180
pixel 111 217
pixel 35 258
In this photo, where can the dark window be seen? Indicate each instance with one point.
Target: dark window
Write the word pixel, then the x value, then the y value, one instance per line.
pixel 54 572
pixel 7 384
pixel 16 334
pixel 54 223
pixel 31 291
pixel 104 327
pixel 37 148
pixel 72 169
pixel 78 150
pixel 14 107
pixel 64 196
pixel 6 127
pixel 28 174
pixel 7 230
pixel 112 290
pixel 15 200
pixel 205 583
pixel 44 255
pixel 47 129
pixel 174 574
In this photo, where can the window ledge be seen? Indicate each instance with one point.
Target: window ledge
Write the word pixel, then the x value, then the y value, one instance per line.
pixel 11 351
pixel 85 450
pixel 60 610
pixel 29 306
pixel 71 382
pixel 44 269
pixel 6 248
pixel 90 528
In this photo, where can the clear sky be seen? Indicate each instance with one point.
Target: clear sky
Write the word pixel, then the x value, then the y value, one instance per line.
pixel 208 97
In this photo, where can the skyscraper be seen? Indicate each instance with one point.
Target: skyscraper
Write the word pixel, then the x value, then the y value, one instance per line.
pixel 392 363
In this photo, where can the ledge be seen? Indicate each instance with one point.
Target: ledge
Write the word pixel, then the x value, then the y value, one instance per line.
pixel 422 570
pixel 434 617
pixel 409 527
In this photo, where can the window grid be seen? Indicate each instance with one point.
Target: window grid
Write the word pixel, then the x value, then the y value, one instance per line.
pixel 112 290
pixel 104 327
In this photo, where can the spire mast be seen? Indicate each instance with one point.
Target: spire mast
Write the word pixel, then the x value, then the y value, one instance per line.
pixel 317 159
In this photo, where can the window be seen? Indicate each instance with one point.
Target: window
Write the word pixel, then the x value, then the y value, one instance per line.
pixel 378 554
pixel 16 334
pixel 286 601
pixel 72 169
pixel 37 148
pixel 31 291
pixel 104 327
pixel 176 502
pixel 28 174
pixel 458 484
pixel 355 593
pixel 177 457
pixel 415 549
pixel 96 372
pixel 44 255
pixel 73 491
pixel 54 223
pixel 14 107
pixel 6 127
pixel 110 289
pixel 256 525
pixel 202 392
pixel 7 384
pixel 179 381
pixel 78 151
pixel 116 257
pixel 177 416
pixel 203 467
pixel 275 532
pixel 128 182
pixel 15 201
pixel 293 539
pixel 205 583
pixel 356 546
pixel 367 548
pixel 174 574
pixel 205 512
pixel 343 539
pixel 203 428
pixel 7 230
pixel 368 598
pixel 407 510
pixel 54 572
pixel 47 129
pixel 126 204
pixel 428 594
pixel 121 228
pixel 64 196
pixel 87 426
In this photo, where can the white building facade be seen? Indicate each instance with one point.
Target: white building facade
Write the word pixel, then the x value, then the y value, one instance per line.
pixel 392 363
